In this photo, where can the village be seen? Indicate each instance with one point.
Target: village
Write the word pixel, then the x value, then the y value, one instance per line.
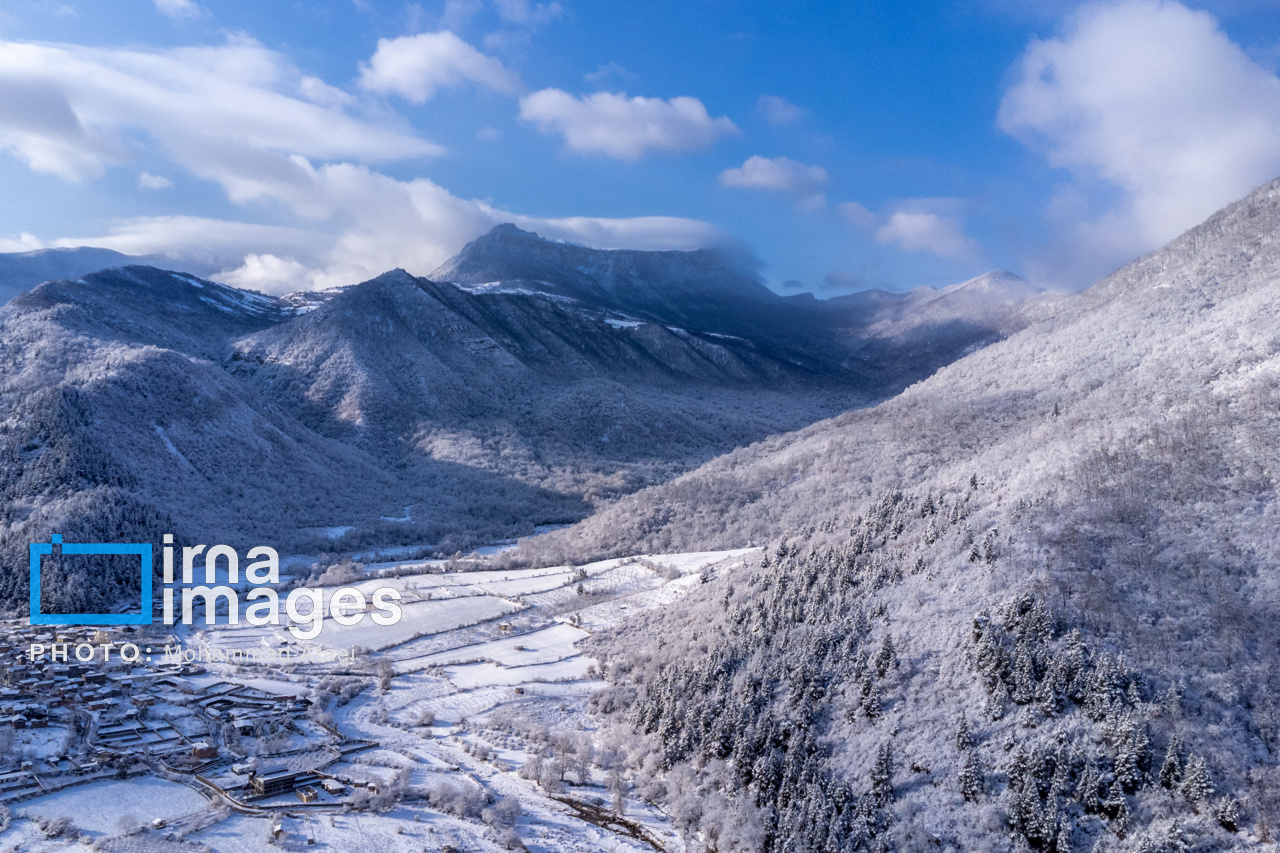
pixel 423 731
pixel 71 723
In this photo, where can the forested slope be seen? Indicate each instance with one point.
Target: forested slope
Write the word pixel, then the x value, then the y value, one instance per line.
pixel 1031 602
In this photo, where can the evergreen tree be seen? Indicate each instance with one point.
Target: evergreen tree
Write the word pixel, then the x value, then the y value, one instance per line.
pixel 886 658
pixel 1117 808
pixel 1196 786
pixel 1062 844
pixel 1087 787
pixel 1171 769
pixel 964 740
pixel 1228 813
pixel 972 781
pixel 882 776
pixel 1128 776
pixel 1171 840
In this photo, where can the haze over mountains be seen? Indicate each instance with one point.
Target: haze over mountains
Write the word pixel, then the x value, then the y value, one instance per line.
pixel 21 271
pixel 1067 541
pixel 548 378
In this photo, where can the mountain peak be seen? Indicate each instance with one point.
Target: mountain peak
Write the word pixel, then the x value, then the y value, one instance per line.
pixel 512 229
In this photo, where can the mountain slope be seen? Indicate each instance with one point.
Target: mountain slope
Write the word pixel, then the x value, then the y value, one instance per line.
pixel 21 271
pixel 1068 537
pixel 402 410
pixel 869 337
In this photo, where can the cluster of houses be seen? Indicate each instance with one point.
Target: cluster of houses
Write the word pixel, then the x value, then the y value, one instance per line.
pixel 122 718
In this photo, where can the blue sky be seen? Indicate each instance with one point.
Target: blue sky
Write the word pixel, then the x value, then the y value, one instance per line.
pixel 840 145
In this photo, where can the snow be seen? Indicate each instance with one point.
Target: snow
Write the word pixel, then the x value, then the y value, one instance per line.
pixel 335 532
pixel 622 324
pixel 42 743
pixel 475 675
pixel 419 618
pixel 97 808
pixel 453 657
pixel 545 646
pixel 169 446
pixel 404 519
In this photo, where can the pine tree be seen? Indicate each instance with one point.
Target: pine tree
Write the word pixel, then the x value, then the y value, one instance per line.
pixel 1117 808
pixel 964 740
pixel 1062 844
pixel 1087 787
pixel 1171 769
pixel 972 780
pixel 1171 840
pixel 886 658
pixel 1024 675
pixel 1126 768
pixel 1196 786
pixel 882 776
pixel 1228 813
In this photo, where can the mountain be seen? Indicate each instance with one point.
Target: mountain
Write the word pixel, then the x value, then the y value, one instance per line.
pixel 704 291
pixel 1031 602
pixel 21 271
pixel 405 410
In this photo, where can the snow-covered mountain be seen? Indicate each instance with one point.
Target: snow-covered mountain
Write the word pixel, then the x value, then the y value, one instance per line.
pixel 21 271
pixel 879 337
pixel 136 400
pixel 1031 602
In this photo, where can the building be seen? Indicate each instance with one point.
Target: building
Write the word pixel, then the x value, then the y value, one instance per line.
pixel 277 779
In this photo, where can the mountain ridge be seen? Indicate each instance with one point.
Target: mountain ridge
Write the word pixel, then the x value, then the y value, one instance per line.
pixel 1066 542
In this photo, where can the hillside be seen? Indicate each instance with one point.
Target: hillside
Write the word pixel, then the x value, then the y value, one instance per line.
pixel 21 271
pixel 399 411
pixel 1066 543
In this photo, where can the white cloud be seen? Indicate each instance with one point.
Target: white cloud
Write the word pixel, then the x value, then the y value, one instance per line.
pixel 268 273
pixel 926 225
pixel 415 67
pixel 148 181
pixel 375 223
pixel 655 233
pixel 778 110
pixel 24 242
pixel 1151 99
pixel 243 117
pixel 458 14
pixel 856 214
pixel 177 8
pixel 614 125
pixel 779 174
pixel 225 113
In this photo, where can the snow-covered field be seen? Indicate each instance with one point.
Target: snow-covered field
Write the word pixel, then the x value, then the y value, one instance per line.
pixel 476 655
pixel 104 808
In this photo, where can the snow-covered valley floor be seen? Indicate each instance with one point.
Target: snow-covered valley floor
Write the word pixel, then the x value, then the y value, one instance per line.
pixel 479 686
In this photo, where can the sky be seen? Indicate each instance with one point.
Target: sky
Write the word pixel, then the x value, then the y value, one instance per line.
pixel 828 147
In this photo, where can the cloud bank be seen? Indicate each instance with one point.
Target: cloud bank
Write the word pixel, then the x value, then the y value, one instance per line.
pixel 1160 118
pixel 284 146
